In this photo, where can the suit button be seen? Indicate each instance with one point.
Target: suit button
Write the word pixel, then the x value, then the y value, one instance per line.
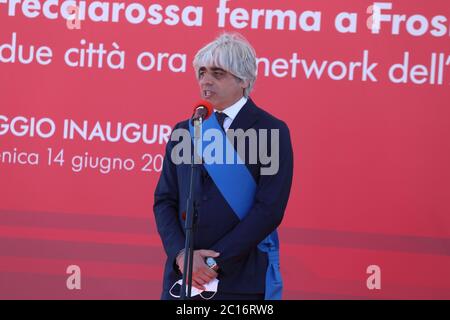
pixel 205 198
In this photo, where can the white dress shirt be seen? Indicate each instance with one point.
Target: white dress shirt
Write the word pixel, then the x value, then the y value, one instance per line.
pixel 232 112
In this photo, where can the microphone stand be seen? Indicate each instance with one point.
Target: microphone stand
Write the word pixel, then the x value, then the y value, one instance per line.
pixel 190 217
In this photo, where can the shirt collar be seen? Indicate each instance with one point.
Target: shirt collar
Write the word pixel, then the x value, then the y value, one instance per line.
pixel 233 110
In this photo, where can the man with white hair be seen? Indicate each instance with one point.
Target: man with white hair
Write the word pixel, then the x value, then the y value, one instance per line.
pixel 237 208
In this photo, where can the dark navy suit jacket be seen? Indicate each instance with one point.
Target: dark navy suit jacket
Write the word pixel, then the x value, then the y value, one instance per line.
pixel 242 265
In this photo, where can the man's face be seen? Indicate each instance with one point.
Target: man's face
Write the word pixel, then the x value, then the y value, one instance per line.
pixel 220 87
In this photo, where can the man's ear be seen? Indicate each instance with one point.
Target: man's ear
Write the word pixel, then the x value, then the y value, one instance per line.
pixel 245 83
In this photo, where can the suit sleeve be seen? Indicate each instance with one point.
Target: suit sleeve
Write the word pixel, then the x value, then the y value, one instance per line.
pixel 165 208
pixel 267 212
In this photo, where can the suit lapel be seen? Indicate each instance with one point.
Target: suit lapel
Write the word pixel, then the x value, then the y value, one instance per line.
pixel 246 117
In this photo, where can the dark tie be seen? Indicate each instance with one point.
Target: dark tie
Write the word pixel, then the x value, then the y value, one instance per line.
pixel 221 118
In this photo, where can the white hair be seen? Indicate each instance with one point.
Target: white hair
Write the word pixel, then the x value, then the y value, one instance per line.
pixel 232 53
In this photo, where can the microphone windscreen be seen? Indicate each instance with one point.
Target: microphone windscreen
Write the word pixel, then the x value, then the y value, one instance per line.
pixel 204 112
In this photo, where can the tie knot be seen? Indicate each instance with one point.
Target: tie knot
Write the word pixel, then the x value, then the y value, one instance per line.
pixel 221 116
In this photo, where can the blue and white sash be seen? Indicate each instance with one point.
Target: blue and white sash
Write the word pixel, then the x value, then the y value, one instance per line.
pixel 227 177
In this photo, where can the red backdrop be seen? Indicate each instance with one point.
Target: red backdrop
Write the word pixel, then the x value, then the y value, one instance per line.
pixel 371 181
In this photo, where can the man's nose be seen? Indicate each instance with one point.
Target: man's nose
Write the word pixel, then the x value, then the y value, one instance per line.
pixel 206 79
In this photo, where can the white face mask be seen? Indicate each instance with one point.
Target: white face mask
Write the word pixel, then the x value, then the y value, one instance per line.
pixel 209 287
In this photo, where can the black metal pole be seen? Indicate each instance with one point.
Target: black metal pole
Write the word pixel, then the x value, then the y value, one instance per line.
pixel 190 221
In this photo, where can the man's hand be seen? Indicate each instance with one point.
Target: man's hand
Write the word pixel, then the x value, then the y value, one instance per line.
pixel 201 273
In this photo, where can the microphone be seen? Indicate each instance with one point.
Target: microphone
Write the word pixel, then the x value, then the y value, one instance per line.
pixel 202 110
